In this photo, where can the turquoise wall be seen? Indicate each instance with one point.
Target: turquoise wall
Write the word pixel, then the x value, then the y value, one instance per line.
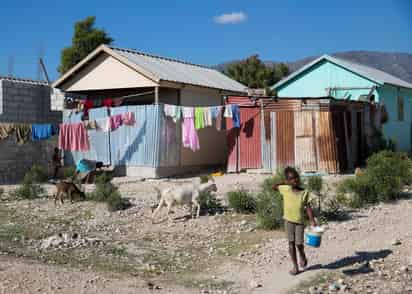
pixel 398 131
pixel 325 74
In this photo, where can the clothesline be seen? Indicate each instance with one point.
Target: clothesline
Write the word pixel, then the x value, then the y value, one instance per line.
pixel 24 132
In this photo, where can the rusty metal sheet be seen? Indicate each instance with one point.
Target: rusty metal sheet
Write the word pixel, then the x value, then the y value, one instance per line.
pixel 249 139
pixel 305 148
pixel 285 139
pixel 244 143
pixel 326 142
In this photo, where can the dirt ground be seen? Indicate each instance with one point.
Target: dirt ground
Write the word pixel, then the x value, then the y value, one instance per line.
pixel 123 252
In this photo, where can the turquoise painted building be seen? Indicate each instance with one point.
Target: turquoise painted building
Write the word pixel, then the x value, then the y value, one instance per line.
pixel 332 77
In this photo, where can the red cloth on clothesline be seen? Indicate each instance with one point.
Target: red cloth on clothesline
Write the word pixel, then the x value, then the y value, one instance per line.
pixel 73 137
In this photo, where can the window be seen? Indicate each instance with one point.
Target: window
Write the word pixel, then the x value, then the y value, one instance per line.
pixel 400 108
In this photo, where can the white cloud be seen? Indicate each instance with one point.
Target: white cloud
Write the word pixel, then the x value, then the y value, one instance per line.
pixel 230 18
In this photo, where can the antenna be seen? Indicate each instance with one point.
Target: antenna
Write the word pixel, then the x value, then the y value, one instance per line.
pixel 43 68
pixel 11 66
pixel 39 65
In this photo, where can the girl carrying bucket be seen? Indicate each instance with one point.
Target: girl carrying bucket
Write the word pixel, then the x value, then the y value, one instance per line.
pixel 295 201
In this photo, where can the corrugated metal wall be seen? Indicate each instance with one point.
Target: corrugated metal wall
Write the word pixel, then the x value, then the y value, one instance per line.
pixel 137 145
pixel 305 141
pixel 327 142
pixel 249 138
pixel 285 139
pixel 152 141
pixel 244 144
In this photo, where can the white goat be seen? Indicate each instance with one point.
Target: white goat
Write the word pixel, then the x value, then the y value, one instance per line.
pixel 183 195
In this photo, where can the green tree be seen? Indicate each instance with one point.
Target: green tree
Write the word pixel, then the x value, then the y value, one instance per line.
pixel 86 38
pixel 253 73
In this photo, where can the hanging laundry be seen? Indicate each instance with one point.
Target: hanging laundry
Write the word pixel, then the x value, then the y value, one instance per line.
pixel 6 129
pixel 235 115
pixel 228 111
pixel 178 114
pixel 199 119
pixel 108 102
pixel 42 131
pixel 73 137
pixel 90 125
pixel 102 124
pixel 220 123
pixel 170 111
pixel 189 133
pixel 128 118
pixel 23 132
pixel 115 122
pixel 207 115
pixel 215 110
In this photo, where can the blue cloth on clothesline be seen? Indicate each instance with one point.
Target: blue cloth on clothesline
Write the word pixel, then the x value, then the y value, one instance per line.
pixel 236 115
pixel 42 131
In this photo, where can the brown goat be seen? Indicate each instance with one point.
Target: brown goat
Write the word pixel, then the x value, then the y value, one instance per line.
pixel 69 189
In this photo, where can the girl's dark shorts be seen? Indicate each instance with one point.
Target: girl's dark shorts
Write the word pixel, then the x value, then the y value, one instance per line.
pixel 294 232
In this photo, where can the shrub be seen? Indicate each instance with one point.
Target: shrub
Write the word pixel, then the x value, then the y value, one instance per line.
pixel 315 184
pixel 29 189
pixel 385 175
pixel 275 179
pixel 68 172
pixel 242 201
pixel 115 202
pixel 269 210
pixel 379 143
pixel 204 179
pixel 39 173
pixel 209 203
pixel 105 191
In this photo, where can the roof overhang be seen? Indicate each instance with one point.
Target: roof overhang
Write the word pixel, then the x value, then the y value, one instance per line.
pixel 316 61
pixel 93 55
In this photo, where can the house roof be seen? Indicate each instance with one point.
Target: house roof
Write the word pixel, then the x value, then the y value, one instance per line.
pixel 25 81
pixel 376 75
pixel 159 69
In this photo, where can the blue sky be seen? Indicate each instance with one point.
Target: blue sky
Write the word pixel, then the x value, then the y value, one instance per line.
pixel 205 32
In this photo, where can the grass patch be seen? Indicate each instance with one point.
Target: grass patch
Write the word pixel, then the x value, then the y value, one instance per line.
pixel 209 284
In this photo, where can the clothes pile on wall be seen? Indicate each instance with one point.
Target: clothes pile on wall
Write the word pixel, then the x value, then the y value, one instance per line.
pixel 196 118
pixel 24 133
pixel 74 137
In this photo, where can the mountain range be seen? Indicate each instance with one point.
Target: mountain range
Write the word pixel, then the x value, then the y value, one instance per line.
pixel 394 63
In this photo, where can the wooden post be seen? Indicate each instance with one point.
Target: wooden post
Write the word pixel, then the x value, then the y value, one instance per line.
pixel 156 101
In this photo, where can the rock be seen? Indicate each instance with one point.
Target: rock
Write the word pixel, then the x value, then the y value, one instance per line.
pixel 254 284
pixel 396 242
pixel 313 290
pixel 243 222
pixel 333 287
pixel 404 269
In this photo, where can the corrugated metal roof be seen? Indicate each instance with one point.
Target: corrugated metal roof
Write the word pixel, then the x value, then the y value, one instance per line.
pixel 371 73
pixel 25 81
pixel 172 70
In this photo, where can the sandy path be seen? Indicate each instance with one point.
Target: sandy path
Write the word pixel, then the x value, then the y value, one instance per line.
pixel 367 236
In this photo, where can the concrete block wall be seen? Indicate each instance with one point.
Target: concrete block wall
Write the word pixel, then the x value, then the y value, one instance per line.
pixel 25 102
pixel 16 160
